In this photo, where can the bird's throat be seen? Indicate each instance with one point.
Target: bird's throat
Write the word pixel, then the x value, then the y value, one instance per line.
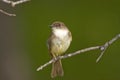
pixel 60 33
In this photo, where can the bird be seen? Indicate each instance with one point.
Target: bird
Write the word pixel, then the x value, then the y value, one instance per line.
pixel 58 43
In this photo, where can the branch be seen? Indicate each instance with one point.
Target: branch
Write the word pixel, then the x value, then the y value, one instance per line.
pixel 14 3
pixel 6 13
pixel 106 45
pixel 103 48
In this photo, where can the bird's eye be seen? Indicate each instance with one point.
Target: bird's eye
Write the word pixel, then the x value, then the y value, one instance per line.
pixel 57 25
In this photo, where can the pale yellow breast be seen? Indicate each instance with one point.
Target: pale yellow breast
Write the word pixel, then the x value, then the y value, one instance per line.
pixel 61 33
pixel 61 43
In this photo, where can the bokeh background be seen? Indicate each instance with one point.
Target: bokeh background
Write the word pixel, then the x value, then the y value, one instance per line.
pixel 23 39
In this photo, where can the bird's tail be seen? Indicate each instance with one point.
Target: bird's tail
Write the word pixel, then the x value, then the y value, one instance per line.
pixel 57 69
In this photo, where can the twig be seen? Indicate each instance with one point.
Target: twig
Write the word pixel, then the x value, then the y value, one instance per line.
pixel 67 55
pixel 6 13
pixel 14 3
pixel 102 48
pixel 106 45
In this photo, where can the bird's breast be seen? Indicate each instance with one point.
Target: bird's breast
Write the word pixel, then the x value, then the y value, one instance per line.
pixel 61 42
pixel 61 33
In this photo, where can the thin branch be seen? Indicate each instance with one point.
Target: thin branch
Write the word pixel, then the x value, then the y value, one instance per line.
pixel 67 55
pixel 6 13
pixel 14 3
pixel 106 45
pixel 102 48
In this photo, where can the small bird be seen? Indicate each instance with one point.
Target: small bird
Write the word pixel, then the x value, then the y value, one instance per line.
pixel 58 42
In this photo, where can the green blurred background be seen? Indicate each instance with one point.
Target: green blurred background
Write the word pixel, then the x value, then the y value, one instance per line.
pixel 92 22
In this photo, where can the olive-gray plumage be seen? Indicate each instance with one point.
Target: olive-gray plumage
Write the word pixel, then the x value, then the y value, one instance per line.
pixel 58 43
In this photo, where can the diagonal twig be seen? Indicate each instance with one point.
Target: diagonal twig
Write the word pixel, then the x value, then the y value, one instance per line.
pixel 6 13
pixel 102 48
pixel 106 45
pixel 14 3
